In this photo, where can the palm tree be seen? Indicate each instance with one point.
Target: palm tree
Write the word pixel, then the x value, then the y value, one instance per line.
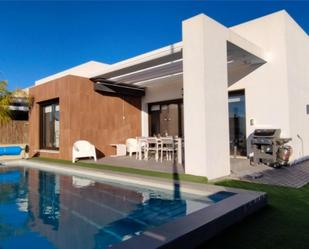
pixel 5 96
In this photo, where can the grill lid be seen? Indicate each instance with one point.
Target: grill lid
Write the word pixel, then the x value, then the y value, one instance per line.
pixel 267 132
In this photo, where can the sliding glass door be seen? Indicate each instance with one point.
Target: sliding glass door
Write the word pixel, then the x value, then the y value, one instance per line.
pixel 166 118
pixel 237 123
pixel 50 129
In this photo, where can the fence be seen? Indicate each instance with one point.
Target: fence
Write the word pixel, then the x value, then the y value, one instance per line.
pixel 15 132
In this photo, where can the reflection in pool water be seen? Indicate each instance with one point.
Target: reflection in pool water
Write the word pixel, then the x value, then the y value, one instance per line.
pixel 45 210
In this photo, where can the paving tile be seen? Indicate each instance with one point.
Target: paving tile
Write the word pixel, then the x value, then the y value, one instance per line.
pixel 294 176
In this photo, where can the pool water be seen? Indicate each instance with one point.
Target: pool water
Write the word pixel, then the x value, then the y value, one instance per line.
pixel 40 209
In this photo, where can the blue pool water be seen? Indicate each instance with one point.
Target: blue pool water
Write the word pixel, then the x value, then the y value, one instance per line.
pixel 45 210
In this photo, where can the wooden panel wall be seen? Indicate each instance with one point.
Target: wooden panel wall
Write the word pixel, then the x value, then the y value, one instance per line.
pixel 14 132
pixel 85 114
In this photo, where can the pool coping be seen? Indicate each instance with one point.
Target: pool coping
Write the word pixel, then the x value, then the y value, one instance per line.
pixel 196 228
pixel 184 232
pixel 101 175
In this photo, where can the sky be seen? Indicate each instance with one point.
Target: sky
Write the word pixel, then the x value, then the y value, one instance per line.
pixel 41 38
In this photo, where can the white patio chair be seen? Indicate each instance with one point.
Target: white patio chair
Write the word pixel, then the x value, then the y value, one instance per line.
pixel 167 147
pixel 83 148
pixel 153 144
pixel 141 145
pixel 132 146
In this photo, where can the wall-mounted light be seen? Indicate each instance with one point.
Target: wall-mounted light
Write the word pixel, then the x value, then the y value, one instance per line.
pixel 252 121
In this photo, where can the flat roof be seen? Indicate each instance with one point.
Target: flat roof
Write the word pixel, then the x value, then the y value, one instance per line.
pixel 83 70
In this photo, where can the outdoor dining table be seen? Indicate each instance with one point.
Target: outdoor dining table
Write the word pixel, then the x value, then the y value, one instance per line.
pixel 177 141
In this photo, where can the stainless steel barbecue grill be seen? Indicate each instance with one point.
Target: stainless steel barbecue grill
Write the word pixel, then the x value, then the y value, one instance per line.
pixel 269 148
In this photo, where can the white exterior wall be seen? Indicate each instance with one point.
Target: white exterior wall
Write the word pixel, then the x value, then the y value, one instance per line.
pixel 277 93
pixel 266 88
pixel 205 97
pixel 297 49
pixel 168 89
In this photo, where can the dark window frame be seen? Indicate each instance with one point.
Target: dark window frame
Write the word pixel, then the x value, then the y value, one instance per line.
pixel 166 102
pixel 51 102
pixel 234 93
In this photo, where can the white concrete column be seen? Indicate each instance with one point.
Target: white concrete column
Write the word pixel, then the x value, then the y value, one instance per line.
pixel 205 97
pixel 144 118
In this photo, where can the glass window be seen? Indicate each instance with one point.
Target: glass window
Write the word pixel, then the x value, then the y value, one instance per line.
pixel 50 129
pixel 166 119
pixel 237 123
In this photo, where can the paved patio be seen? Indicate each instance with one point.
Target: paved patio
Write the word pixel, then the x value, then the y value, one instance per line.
pixel 151 164
pixel 294 176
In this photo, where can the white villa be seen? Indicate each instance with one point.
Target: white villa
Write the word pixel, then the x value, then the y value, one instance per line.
pixel 213 88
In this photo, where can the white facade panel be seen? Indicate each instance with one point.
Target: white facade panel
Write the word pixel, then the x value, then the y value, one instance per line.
pixel 205 97
pixel 297 49
pixel 266 88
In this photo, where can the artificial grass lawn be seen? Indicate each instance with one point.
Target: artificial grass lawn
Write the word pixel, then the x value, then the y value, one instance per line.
pixel 283 224
pixel 182 177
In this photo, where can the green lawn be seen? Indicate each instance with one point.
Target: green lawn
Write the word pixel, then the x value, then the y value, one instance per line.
pixel 182 177
pixel 283 224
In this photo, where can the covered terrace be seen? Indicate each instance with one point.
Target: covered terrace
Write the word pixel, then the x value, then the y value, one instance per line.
pixel 184 89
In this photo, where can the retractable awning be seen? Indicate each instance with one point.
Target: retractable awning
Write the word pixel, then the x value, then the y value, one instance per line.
pixel 112 87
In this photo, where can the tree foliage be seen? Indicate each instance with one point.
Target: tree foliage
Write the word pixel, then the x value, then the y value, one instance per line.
pixel 5 97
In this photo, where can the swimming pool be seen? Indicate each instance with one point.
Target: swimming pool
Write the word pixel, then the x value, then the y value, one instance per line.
pixel 40 209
